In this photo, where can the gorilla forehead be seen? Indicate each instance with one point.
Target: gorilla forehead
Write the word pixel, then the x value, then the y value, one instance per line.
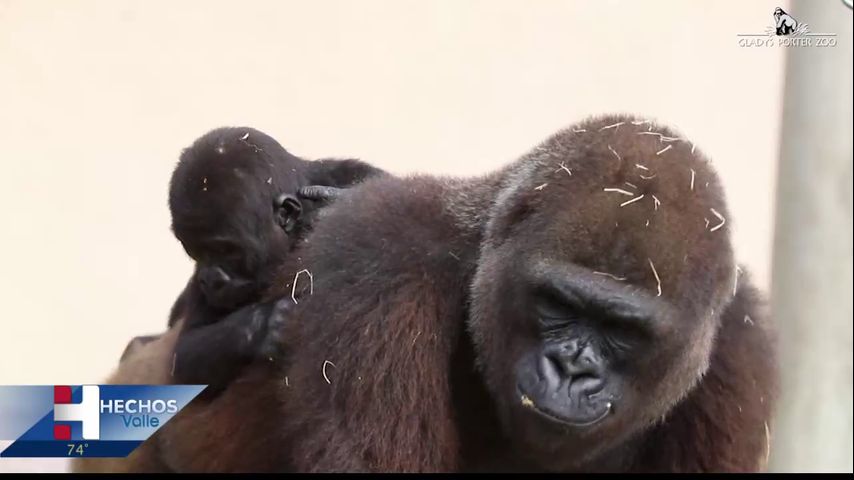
pixel 234 164
pixel 224 202
pixel 623 197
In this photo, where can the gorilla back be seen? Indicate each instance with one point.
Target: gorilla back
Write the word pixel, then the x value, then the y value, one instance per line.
pixel 572 312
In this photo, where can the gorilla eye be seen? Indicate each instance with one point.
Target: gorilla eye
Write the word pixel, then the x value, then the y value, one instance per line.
pixel 617 346
pixel 550 324
pixel 222 249
pixel 552 311
pixel 623 339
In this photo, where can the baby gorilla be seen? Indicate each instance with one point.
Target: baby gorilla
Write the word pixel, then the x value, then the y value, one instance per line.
pixel 240 204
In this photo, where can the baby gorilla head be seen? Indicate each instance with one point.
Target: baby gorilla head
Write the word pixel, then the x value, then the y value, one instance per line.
pixel 233 199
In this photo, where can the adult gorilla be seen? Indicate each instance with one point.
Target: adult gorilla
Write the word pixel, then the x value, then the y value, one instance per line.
pixel 572 312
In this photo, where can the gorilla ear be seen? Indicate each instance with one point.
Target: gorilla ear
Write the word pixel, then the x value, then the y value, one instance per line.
pixel 287 210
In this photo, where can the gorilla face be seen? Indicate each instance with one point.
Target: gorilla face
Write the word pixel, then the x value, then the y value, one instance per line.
pixel 230 215
pixel 234 209
pixel 587 339
pixel 587 361
pixel 236 250
pixel 593 316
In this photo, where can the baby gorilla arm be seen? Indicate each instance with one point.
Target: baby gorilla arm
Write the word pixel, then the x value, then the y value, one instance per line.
pixel 214 354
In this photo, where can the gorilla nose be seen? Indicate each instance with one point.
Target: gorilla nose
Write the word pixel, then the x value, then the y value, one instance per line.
pixel 213 280
pixel 580 366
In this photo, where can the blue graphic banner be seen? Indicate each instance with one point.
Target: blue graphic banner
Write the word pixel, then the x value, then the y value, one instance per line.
pixel 86 420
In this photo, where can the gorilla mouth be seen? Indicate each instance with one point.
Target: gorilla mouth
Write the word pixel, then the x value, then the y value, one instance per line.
pixel 549 415
pixel 569 422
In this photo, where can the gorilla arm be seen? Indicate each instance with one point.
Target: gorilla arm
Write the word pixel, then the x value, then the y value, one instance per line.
pixel 214 354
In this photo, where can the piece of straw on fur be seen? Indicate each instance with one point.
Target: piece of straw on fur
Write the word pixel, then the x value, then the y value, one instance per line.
pixel 720 217
pixel 619 279
pixel 294 287
pixel 628 202
pixel 618 190
pixel 323 370
pixel 562 166
pixel 657 278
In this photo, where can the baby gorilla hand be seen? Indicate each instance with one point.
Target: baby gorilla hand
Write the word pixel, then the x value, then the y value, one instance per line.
pixel 319 193
pixel 269 320
pixel 215 354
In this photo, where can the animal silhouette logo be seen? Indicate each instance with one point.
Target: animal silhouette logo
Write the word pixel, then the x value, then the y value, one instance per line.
pixel 784 24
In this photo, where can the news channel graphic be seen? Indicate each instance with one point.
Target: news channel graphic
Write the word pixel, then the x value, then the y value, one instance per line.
pixel 86 420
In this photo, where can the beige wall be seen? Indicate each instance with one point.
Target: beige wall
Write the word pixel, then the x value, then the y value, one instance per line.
pixel 98 97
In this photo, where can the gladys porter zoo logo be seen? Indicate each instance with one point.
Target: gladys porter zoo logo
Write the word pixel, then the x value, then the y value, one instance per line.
pixel 786 31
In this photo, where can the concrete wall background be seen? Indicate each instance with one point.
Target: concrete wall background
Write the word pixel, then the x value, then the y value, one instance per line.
pixel 97 98
pixel 813 252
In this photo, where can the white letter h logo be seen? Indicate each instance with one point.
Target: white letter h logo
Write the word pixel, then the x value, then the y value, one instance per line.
pixel 86 412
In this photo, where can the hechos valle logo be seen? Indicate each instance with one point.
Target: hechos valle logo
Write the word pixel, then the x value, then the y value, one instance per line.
pixel 786 31
pixel 86 420
pixel 85 411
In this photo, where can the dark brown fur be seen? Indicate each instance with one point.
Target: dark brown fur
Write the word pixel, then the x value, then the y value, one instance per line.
pixel 724 425
pixel 397 355
pixel 396 332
